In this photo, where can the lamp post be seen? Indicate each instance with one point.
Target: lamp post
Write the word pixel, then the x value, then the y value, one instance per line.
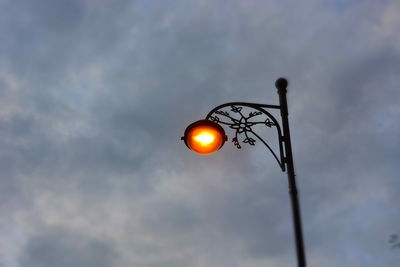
pixel 207 136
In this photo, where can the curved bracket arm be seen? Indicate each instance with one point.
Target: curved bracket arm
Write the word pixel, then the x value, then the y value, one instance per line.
pixel 242 124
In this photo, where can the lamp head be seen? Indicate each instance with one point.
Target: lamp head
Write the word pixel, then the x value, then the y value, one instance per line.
pixel 204 137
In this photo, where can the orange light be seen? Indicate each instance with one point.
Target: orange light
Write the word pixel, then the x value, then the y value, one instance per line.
pixel 204 137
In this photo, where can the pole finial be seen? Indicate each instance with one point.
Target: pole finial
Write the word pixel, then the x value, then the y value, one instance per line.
pixel 281 84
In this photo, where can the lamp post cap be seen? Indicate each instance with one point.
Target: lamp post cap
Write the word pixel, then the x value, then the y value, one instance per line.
pixel 281 83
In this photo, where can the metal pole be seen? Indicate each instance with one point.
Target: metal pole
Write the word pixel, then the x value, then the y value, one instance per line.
pixel 281 84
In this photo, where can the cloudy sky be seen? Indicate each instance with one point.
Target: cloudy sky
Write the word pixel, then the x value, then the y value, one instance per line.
pixel 95 95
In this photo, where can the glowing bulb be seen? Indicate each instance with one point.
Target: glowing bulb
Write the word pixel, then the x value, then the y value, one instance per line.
pixel 204 137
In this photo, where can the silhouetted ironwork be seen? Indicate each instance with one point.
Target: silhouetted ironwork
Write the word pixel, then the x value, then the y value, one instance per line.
pixel 242 124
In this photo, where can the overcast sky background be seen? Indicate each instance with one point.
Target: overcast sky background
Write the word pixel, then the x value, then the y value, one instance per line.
pixel 95 95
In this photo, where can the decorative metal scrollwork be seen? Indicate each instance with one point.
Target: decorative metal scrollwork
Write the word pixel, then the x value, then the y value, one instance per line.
pixel 237 120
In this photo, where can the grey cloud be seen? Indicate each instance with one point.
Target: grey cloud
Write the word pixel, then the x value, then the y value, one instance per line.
pixel 171 218
pixel 62 247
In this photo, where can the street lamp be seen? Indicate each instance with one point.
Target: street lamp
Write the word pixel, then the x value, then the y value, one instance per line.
pixel 207 136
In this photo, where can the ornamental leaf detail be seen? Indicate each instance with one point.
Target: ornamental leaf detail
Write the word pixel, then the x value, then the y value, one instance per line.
pixel 222 113
pixel 269 123
pixel 236 142
pixel 255 113
pixel 250 141
pixel 214 119
pixel 236 109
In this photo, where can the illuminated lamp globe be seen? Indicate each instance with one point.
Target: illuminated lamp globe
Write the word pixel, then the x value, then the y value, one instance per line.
pixel 204 137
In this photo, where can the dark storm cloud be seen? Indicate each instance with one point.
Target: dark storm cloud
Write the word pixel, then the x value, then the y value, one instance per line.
pixel 95 97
